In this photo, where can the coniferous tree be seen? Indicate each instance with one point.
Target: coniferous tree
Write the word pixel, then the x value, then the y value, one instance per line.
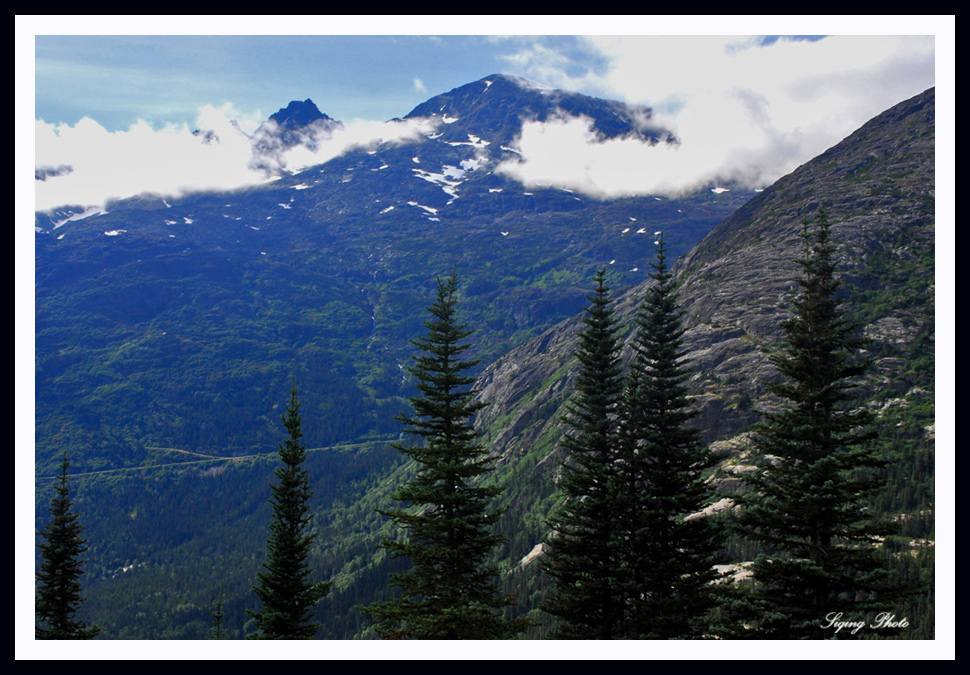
pixel 449 592
pixel 217 632
pixel 583 555
pixel 808 504
pixel 59 578
pixel 667 558
pixel 287 595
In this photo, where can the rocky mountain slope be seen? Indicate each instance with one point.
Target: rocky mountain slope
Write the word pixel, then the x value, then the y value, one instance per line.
pixel 735 288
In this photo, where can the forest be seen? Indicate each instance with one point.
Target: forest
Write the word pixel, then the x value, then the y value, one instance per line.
pixel 637 542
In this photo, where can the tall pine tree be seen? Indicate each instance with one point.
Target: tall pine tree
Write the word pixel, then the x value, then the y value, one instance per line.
pixel 667 558
pixel 284 588
pixel 449 591
pixel 583 550
pixel 59 578
pixel 807 506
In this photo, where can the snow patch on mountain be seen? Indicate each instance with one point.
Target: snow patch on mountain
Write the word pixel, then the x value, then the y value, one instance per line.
pixel 87 213
pixel 442 179
pixel 429 209
pixel 473 141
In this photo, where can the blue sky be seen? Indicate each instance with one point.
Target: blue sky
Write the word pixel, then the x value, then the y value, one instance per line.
pixel 120 79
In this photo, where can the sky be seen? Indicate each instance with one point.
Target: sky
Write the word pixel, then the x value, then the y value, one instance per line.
pixel 116 99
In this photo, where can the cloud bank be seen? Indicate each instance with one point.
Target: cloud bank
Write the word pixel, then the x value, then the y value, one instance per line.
pixel 746 110
pixel 86 165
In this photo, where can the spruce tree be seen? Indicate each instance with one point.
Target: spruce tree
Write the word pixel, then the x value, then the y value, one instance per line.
pixel 59 578
pixel 807 506
pixel 446 516
pixel 284 588
pixel 217 632
pixel 667 558
pixel 582 557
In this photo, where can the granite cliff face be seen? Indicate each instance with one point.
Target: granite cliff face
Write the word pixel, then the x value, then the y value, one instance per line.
pixel 736 285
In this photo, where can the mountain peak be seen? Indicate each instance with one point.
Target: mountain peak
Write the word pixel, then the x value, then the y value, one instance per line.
pixel 515 80
pixel 496 106
pixel 298 114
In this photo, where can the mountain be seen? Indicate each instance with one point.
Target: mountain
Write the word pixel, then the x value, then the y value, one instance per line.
pixel 178 322
pixel 168 330
pixel 298 115
pixel 495 106
pixel 299 123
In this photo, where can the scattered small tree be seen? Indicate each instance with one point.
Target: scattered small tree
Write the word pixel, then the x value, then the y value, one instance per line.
pixel 287 595
pixel 59 578
pixel 448 593
pixel 807 506
pixel 217 632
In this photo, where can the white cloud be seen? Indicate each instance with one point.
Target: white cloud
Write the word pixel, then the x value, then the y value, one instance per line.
pixel 565 153
pixel 358 134
pixel 419 86
pixel 172 160
pixel 742 111
pixel 168 161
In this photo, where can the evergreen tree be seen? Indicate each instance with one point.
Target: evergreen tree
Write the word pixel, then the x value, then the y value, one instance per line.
pixel 217 632
pixel 667 558
pixel 582 557
pixel 448 593
pixel 284 588
pixel 808 504
pixel 59 579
